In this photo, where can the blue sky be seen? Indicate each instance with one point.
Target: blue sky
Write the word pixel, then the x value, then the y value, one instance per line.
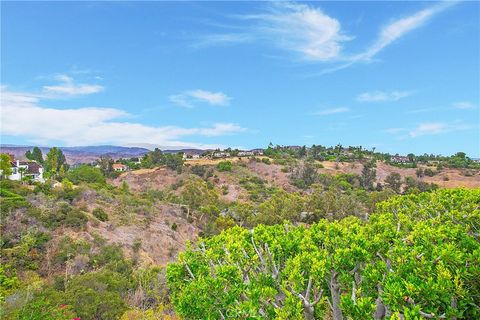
pixel 398 76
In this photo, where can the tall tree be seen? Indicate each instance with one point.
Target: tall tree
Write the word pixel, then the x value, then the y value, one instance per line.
pixel 368 175
pixel 394 181
pixel 5 166
pixel 35 155
pixel 55 161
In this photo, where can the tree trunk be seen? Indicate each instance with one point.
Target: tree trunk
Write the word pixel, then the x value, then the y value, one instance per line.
pixel 308 312
pixel 335 292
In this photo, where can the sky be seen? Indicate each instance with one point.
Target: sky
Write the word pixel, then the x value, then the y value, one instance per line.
pixel 400 77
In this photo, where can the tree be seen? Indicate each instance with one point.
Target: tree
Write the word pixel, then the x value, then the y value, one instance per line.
pixel 368 176
pixel 86 174
pixel 35 155
pixel 403 263
pixel 394 182
pixel 224 166
pixel 5 165
pixel 106 163
pixel 55 162
pixel 196 194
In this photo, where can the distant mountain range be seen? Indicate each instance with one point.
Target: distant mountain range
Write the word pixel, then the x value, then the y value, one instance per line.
pixel 85 154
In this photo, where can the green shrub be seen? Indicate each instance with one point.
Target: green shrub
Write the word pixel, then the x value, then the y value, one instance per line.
pixel 98 295
pixel 100 214
pixel 86 174
pixel 224 166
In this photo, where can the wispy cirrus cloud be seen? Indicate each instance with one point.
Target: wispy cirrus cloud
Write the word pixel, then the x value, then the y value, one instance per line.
pixel 299 28
pixel 189 99
pixel 326 112
pixel 429 128
pixel 223 39
pixel 400 27
pixel 92 125
pixel 383 96
pixel 464 105
pixel 315 36
pixel 67 86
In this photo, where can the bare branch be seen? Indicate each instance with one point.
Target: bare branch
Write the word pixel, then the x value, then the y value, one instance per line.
pixel 309 287
pixel 188 269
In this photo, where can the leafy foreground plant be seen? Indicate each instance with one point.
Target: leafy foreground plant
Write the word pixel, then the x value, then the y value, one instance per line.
pixel 417 257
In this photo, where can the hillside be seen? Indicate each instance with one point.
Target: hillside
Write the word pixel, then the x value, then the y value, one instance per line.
pixel 160 178
pixel 98 244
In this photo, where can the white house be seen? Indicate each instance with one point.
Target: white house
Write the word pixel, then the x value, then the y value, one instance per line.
pixel 221 155
pixel 399 159
pixel 191 156
pixel 257 152
pixel 119 167
pixel 23 169
pixel 245 153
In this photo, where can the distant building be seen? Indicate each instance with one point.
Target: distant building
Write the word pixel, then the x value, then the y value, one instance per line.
pixel 257 152
pixel 119 167
pixel 217 155
pixel 245 153
pixel 294 148
pixel 399 159
pixel 26 169
pixel 137 161
pixel 191 156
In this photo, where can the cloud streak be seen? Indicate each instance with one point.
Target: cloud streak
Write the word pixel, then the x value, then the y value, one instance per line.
pixel 331 111
pixel 303 29
pixel 68 87
pixel 401 27
pixel 429 128
pixel 383 96
pixel 464 105
pixel 315 36
pixel 190 99
pixel 299 28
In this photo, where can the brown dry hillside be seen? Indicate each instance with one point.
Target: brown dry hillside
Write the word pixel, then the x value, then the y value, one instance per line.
pixel 160 178
pixel 160 242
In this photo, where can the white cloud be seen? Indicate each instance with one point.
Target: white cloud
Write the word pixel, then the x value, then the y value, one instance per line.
pixel 223 39
pixel 301 28
pixel 464 105
pixel 23 116
pixel 382 96
pixel 433 128
pixel 391 33
pixel 68 86
pixel 400 27
pixel 190 98
pixel 394 130
pixel 326 112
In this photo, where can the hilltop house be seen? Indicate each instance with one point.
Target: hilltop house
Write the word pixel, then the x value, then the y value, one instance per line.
pixel 294 148
pixel 191 156
pixel 26 169
pixel 119 167
pixel 245 153
pixel 399 159
pixel 221 155
pixel 257 152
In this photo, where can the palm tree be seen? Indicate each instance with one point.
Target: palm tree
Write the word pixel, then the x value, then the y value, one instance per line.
pixel 22 171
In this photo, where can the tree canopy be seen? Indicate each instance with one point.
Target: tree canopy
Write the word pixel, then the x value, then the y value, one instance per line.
pixel 417 256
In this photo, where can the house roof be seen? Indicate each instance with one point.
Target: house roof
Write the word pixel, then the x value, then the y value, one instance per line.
pixel 32 166
pixel 118 165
